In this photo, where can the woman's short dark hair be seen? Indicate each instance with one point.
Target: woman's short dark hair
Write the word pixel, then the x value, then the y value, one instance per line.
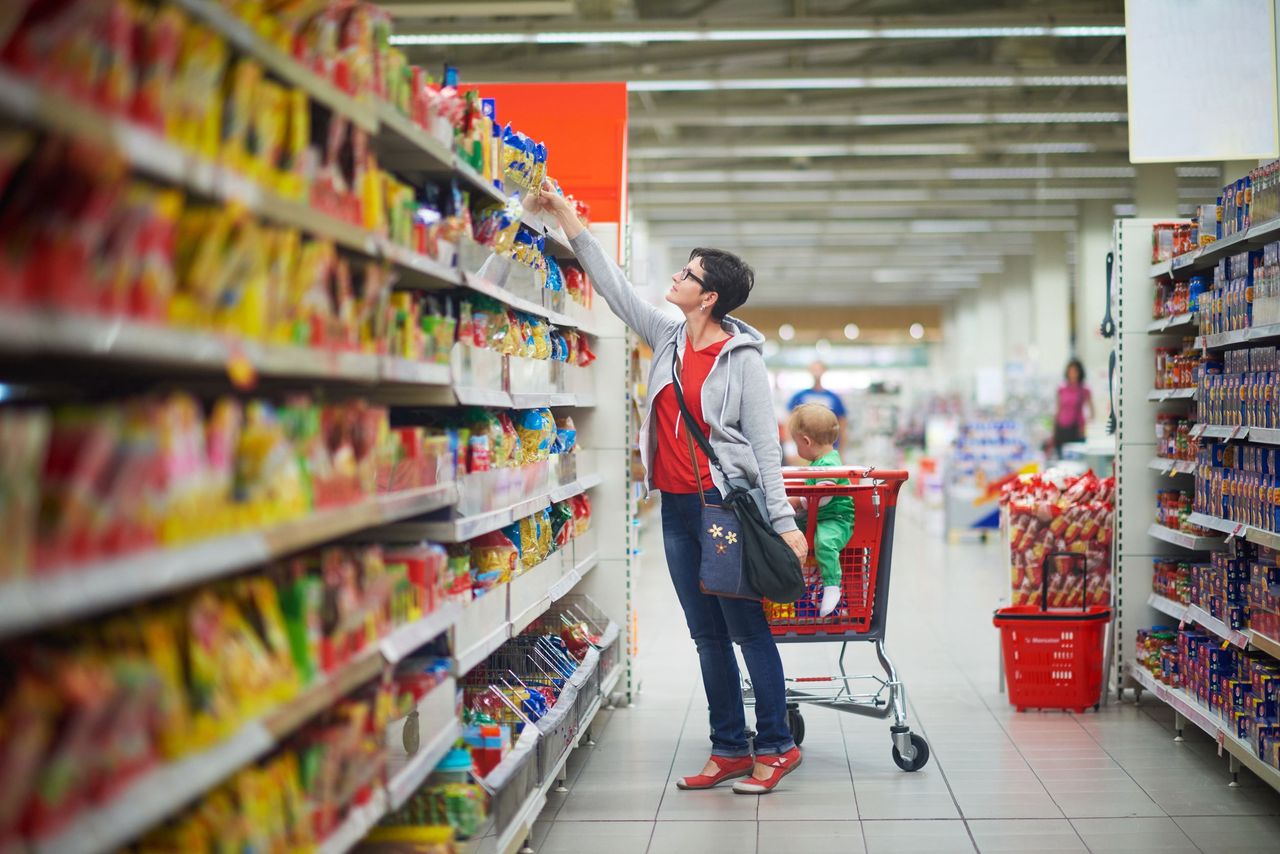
pixel 1078 365
pixel 727 275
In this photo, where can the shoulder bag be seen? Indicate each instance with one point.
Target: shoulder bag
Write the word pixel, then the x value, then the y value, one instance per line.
pixel 742 555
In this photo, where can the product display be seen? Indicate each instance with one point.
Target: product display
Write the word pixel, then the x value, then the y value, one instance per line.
pixel 1174 439
pixel 1072 516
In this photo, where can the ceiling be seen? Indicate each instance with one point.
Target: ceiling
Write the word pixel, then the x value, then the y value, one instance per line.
pixel 846 130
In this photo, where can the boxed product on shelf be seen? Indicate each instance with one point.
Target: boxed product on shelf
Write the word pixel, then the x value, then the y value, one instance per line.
pixel 1072 516
pixel 1173 298
pixel 1239 483
pixel 1241 390
pixel 1235 686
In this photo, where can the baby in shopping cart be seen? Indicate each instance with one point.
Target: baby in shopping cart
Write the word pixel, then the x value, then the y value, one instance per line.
pixel 815 428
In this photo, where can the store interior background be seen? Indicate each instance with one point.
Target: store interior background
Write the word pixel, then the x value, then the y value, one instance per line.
pixel 928 203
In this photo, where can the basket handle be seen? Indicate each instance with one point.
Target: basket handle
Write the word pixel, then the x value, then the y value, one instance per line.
pixel 1075 557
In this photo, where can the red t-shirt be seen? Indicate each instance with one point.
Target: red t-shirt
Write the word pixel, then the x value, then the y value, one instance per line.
pixel 672 468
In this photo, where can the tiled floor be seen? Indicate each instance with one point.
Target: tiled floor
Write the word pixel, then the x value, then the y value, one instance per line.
pixel 997 781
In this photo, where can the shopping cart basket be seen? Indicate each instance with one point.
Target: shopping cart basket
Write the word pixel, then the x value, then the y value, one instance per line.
pixel 1053 659
pixel 862 613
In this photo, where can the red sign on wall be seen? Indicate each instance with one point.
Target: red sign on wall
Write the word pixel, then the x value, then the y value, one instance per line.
pixel 584 126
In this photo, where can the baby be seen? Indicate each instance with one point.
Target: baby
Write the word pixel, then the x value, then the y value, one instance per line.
pixel 815 429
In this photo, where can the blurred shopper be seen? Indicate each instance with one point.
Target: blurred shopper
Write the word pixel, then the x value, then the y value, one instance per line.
pixel 1075 408
pixel 822 396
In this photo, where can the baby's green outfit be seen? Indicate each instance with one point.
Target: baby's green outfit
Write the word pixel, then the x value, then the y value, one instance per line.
pixel 835 523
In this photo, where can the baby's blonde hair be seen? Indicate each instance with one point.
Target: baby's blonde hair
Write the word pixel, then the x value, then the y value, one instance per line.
pixel 815 421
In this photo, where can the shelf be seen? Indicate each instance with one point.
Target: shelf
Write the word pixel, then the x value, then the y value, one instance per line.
pixel 1172 323
pixel 1268 333
pixel 1186 541
pixel 90 588
pixel 1261 435
pixel 128 342
pixel 419 271
pixel 410 778
pixel 1202 618
pixel 1163 394
pixel 469 527
pixel 279 63
pixel 1206 257
pixel 398 133
pixel 1172 467
pixel 506 297
pixel 492 195
pixel 408 639
pixel 1269 645
pixel 359 821
pixel 1179 700
pixel 1236 529
pixel 1212 726
pixel 1167 606
pixel 571 579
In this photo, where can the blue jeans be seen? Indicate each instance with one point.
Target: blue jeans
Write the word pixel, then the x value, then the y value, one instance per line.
pixel 715 624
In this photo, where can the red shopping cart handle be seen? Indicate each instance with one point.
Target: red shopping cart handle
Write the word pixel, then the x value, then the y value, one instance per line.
pixel 850 472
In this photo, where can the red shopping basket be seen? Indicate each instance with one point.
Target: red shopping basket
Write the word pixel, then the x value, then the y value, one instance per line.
pixel 1053 659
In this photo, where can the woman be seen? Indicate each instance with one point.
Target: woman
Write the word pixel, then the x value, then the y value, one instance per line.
pixel 727 390
pixel 1075 408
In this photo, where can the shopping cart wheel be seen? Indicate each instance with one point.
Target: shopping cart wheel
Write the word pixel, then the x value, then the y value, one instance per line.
pixel 795 723
pixel 918 761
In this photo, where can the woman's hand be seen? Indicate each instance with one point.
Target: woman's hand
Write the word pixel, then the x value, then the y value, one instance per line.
pixel 798 543
pixel 548 201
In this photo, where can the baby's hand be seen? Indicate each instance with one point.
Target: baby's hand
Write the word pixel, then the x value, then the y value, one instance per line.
pixel 798 504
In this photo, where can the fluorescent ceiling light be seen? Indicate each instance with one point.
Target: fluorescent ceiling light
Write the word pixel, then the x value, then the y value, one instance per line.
pixel 1198 172
pixel 903 149
pixel 1049 148
pixel 721 177
pixel 751 34
pixel 789 83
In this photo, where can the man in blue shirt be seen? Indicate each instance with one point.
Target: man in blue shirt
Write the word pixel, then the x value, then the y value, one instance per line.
pixel 821 396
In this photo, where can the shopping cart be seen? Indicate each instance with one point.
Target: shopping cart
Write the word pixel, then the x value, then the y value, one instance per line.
pixel 861 615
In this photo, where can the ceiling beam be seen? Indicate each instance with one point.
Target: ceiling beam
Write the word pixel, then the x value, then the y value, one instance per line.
pixel 926 193
pixel 829 78
pixel 781 116
pixel 996 25
pixel 1113 170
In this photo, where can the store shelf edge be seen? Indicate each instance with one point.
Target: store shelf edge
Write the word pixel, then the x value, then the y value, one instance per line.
pixel 1167 606
pixel 1204 720
pixel 402 786
pixel 1205 620
pixel 77 591
pixel 1172 323
pixel 1184 540
pixel 359 821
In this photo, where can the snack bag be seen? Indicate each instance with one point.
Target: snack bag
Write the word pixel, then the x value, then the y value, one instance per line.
pixel 494 560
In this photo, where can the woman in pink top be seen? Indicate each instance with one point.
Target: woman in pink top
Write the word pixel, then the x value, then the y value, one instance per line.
pixel 1075 408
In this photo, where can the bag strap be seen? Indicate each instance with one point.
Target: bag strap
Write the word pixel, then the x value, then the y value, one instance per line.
pixel 691 424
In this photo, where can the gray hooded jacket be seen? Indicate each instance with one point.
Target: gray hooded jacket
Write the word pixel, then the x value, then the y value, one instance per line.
pixel 737 399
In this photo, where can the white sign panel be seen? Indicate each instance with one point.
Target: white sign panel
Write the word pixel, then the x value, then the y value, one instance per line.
pixel 1202 80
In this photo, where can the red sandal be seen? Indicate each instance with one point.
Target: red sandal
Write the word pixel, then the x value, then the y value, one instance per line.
pixel 730 767
pixel 781 765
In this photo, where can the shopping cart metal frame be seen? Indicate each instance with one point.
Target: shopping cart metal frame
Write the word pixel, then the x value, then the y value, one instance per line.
pixel 862 615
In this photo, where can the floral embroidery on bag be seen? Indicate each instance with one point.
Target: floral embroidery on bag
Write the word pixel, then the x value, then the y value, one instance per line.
pixel 732 537
pixel 716 531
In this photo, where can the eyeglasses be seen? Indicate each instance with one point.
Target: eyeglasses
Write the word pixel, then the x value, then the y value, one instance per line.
pixel 686 273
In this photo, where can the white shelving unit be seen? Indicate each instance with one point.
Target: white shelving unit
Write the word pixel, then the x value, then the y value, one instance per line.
pixel 475 628
pixel 1141 475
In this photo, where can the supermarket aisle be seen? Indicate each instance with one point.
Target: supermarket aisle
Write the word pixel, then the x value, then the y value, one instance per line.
pixel 997 781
